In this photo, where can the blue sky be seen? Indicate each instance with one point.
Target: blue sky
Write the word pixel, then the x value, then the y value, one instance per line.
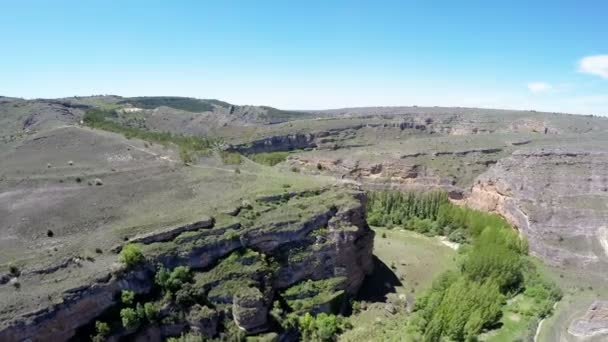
pixel 544 55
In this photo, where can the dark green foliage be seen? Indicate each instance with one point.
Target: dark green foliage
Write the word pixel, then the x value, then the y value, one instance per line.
pixel 183 103
pixel 186 295
pixel 171 282
pixel 322 327
pixel 389 208
pixel 14 270
pixel 269 158
pixel 544 292
pixel 496 256
pixel 495 267
pixel 460 310
pixel 131 255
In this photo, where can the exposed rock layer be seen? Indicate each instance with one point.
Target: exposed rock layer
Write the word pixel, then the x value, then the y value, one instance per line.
pixel 346 250
pixel 557 198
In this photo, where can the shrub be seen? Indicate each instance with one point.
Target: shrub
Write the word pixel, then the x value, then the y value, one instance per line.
pixel 102 330
pixel 171 282
pixel 323 327
pixel 185 156
pixel 231 158
pixel 14 270
pixel 188 337
pixel 131 255
pixel 186 295
pixel 127 297
pixel 151 311
pixel 269 158
pixel 130 319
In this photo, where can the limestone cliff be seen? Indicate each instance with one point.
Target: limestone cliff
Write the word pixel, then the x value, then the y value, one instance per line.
pixel 557 198
pixel 314 235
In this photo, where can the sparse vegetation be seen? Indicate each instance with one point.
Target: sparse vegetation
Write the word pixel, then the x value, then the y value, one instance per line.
pixel 189 146
pixel 230 158
pixel 269 158
pixel 183 103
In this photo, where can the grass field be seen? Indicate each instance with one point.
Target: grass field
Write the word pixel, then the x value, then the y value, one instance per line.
pixel 407 263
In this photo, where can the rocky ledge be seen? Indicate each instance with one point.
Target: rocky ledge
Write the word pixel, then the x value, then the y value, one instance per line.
pixel 243 265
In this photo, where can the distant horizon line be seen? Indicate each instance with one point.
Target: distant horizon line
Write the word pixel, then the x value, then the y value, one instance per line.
pixel 306 110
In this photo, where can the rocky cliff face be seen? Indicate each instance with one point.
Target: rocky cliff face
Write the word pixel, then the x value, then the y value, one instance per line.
pixel 81 305
pixel 313 235
pixel 396 173
pixel 557 198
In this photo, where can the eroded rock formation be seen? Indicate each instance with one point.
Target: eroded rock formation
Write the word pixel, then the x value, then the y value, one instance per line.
pixel 311 235
pixel 557 198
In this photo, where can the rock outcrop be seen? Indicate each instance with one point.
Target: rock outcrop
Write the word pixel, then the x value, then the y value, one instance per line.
pixel 241 285
pixel 393 173
pixel 557 198
pixel 79 306
pixel 595 321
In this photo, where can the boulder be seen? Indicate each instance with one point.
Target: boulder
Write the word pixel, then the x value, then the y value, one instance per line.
pixel 250 310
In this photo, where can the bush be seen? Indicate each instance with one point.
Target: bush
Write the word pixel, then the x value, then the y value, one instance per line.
pixel 188 337
pixel 171 282
pixel 269 158
pixel 131 255
pixel 127 297
pixel 130 318
pixel 102 330
pixel 323 327
pixel 151 311
pixel 14 270
pixel 230 158
pixel 185 156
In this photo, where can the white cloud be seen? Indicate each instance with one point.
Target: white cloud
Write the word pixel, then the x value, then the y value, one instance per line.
pixel 539 87
pixel 594 65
